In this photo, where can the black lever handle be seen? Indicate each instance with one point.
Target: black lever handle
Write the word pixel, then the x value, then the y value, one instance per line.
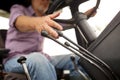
pixel 21 60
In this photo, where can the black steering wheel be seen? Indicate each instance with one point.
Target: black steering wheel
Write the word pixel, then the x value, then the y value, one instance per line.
pixel 59 4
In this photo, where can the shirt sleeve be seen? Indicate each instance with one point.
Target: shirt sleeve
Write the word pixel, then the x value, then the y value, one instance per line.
pixel 15 11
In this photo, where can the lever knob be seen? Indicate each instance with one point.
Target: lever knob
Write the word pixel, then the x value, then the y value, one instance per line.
pixel 21 60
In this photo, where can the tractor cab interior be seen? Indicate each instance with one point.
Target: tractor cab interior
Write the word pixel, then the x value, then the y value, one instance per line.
pixel 99 55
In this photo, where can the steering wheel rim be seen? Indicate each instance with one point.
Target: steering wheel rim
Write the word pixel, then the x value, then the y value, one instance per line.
pixel 58 4
pixel 94 8
pixel 53 6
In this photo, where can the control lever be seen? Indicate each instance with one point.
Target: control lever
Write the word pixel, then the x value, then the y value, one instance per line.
pixel 45 34
pixel 22 60
pixel 72 57
pixel 88 54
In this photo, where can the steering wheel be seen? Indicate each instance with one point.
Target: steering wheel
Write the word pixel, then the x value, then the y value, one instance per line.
pixel 59 4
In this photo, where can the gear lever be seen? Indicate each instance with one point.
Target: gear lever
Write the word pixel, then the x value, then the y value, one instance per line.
pixel 22 60
pixel 72 57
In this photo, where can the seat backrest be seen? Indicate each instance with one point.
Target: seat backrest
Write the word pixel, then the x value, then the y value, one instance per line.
pixel 3 51
pixel 1 43
pixel 3 33
pixel 107 48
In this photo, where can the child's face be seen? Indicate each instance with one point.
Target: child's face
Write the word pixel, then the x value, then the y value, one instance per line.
pixel 40 6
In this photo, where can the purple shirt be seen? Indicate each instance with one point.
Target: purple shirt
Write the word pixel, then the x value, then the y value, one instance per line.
pixel 22 42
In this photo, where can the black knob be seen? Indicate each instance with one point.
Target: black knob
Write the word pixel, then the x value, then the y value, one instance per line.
pixel 21 60
pixel 72 57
